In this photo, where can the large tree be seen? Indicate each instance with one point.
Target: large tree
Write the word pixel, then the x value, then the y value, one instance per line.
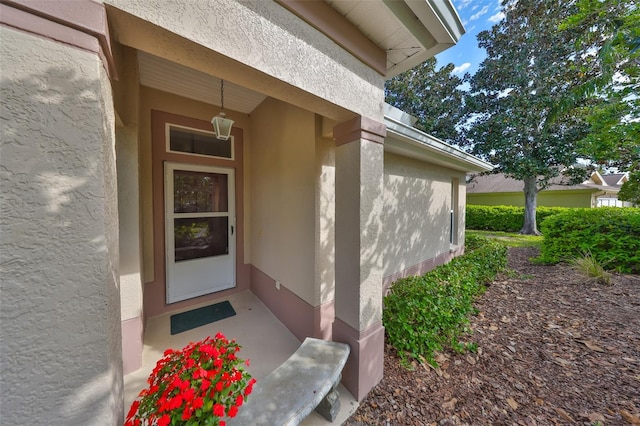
pixel 527 73
pixel 431 95
pixel 609 34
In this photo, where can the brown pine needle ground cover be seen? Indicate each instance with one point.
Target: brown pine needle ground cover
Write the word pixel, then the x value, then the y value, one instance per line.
pixel 552 350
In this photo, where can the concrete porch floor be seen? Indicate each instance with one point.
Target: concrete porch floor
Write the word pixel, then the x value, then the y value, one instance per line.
pixel 264 340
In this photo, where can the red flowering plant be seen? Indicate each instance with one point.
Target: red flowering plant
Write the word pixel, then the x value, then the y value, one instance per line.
pixel 199 385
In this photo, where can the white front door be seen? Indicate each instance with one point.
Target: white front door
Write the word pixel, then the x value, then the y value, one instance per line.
pixel 199 230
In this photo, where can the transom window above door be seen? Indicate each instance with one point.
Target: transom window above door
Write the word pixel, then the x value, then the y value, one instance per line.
pixel 186 140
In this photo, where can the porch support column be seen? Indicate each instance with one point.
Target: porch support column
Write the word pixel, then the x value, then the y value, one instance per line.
pixel 359 254
pixel 60 346
pixel 126 102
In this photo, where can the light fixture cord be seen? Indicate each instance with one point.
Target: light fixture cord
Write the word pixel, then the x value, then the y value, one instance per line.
pixel 222 94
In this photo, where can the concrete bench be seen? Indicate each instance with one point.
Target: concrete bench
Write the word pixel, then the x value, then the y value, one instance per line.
pixel 306 381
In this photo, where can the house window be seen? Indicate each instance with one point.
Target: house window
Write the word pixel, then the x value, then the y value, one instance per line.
pixel 197 142
pixel 453 212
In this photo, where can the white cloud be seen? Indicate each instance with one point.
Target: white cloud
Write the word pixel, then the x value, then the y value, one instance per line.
pixel 496 18
pixel 461 68
pixel 482 11
pixel 463 4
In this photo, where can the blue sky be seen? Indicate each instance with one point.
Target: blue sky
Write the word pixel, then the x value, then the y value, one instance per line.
pixel 476 16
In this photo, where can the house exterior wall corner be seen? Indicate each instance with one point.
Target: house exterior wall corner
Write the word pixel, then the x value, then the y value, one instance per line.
pixel 364 368
pixel 81 23
pixel 359 128
pixel 61 339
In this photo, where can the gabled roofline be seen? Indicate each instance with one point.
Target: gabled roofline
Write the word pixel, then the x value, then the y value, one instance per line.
pixel 434 38
pixel 597 178
pixel 406 140
pixel 624 178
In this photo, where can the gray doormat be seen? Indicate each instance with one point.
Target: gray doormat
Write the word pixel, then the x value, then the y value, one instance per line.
pixel 198 317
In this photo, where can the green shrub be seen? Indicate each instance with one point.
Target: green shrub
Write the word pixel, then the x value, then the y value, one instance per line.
pixel 474 241
pixel 504 218
pixel 610 234
pixel 424 314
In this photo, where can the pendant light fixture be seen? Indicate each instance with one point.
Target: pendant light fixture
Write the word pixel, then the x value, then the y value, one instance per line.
pixel 221 124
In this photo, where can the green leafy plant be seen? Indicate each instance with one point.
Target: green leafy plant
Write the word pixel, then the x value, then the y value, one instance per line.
pixel 504 218
pixel 199 385
pixel 588 266
pixel 610 234
pixel 424 314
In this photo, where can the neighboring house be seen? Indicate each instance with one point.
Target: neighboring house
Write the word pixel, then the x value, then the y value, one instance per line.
pixel 614 180
pixel 110 173
pixel 500 190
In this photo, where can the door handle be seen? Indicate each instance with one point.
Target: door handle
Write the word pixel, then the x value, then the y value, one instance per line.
pixel 231 229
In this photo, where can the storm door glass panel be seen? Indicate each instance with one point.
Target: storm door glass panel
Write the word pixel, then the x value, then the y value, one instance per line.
pixel 200 192
pixel 202 237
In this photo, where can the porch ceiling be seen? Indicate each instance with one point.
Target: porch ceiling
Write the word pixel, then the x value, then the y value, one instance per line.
pixel 168 76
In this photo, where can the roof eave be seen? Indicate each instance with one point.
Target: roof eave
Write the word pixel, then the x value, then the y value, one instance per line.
pixel 437 28
pixel 411 142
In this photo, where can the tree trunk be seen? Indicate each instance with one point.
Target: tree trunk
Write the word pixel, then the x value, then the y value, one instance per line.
pixel 530 199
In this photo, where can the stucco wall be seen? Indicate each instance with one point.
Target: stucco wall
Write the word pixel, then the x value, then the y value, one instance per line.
pixel 287 52
pixel 131 289
pixel 545 198
pixel 283 167
pixel 417 205
pixel 359 232
pixel 126 93
pixel 325 211
pixel 60 343
pixel 565 199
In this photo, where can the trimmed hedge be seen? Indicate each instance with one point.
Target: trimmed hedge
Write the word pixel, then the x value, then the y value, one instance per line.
pixel 504 218
pixel 425 313
pixel 610 234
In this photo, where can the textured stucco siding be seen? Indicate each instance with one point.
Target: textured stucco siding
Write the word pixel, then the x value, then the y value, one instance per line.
pixel 266 37
pixel 129 214
pixel 566 199
pixel 506 199
pixel 60 314
pixel 545 199
pixel 283 176
pixel 417 205
pixel 325 205
pixel 126 102
pixel 359 229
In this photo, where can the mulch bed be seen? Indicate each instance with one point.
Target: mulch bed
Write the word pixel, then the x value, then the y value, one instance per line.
pixel 552 350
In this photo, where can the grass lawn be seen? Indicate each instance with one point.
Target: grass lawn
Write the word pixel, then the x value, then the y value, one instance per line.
pixel 511 239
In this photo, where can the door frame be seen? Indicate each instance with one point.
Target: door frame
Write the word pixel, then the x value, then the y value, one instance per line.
pixel 154 297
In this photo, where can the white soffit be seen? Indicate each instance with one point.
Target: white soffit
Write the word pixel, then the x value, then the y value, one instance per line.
pixel 409 31
pixel 161 74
